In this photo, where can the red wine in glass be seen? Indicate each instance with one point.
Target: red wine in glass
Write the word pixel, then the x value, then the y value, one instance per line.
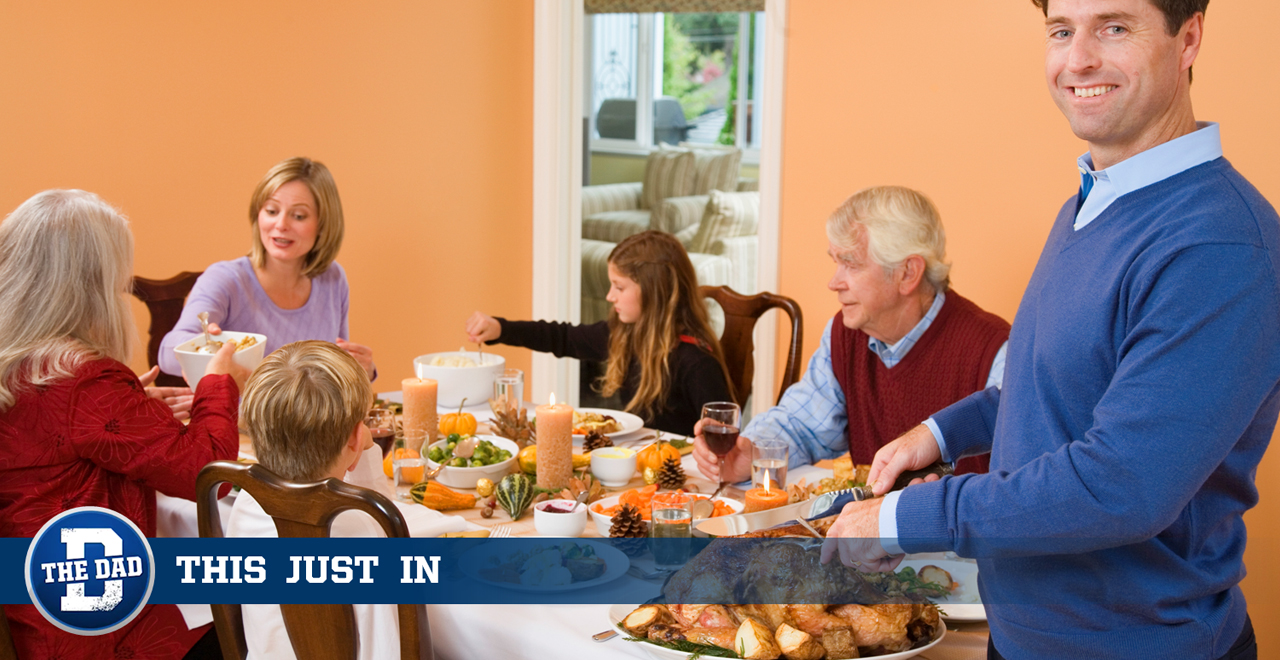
pixel 385 438
pixel 720 421
pixel 720 439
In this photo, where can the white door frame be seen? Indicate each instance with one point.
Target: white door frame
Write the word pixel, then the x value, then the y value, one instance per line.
pixel 557 174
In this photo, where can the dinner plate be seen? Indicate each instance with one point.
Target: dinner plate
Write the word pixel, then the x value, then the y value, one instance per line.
pixel 630 423
pixel 963 604
pixel 616 564
pixel 619 612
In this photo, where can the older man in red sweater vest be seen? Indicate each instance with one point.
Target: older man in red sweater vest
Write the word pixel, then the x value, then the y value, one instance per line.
pixel 902 346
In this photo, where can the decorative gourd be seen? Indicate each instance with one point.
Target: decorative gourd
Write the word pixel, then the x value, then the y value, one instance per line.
pixel 441 498
pixel 463 424
pixel 653 456
pixel 514 493
pixel 528 459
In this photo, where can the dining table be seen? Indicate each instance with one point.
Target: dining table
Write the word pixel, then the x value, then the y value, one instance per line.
pixel 461 632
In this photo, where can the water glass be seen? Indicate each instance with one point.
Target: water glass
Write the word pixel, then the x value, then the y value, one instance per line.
pixel 671 529
pixel 406 473
pixel 769 459
pixel 508 388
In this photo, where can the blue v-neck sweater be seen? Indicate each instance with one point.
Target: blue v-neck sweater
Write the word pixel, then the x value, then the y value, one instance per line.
pixel 1140 392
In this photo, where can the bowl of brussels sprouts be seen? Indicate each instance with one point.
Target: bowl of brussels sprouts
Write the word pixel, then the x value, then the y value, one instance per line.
pixel 492 458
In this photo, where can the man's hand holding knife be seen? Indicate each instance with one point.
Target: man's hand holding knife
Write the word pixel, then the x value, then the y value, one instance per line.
pixel 855 536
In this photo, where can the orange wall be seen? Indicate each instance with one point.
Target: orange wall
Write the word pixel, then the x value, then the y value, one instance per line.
pixel 173 111
pixel 949 97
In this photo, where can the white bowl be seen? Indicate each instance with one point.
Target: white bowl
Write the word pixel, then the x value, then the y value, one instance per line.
pixel 559 524
pixel 194 365
pixel 603 522
pixel 459 477
pixel 475 384
pixel 614 466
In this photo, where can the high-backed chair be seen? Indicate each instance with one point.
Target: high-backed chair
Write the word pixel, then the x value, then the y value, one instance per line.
pixel 164 299
pixel 740 316
pixel 7 651
pixel 305 511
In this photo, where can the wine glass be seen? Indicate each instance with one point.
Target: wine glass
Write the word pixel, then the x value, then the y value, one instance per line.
pixel 382 426
pixel 720 430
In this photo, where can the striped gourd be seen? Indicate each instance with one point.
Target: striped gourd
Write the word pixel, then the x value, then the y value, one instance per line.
pixel 514 493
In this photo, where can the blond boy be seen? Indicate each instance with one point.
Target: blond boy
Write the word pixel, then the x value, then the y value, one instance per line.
pixel 304 409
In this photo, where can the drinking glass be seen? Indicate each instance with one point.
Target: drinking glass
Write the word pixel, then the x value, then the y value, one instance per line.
pixel 769 459
pixel 406 471
pixel 720 430
pixel 672 517
pixel 508 388
pixel 382 426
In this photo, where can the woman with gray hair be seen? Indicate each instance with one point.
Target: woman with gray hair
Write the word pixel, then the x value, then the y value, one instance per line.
pixel 76 427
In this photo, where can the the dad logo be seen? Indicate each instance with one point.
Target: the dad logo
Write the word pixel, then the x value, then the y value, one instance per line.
pixel 89 571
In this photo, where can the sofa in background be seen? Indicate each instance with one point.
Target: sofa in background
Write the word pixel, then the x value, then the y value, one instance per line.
pixel 694 194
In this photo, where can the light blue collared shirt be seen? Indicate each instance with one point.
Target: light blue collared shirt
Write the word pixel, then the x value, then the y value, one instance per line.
pixel 1139 171
pixel 811 416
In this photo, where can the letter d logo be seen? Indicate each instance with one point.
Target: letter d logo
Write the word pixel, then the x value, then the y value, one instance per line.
pixel 75 571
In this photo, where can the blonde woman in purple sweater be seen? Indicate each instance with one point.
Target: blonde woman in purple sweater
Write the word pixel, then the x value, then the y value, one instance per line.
pixel 289 287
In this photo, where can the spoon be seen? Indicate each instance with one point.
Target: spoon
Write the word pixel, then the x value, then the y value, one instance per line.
pixel 577 501
pixel 702 509
pixel 204 324
pixel 466 448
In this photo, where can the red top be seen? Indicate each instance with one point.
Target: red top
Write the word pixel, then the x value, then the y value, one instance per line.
pixel 96 439
pixel 951 360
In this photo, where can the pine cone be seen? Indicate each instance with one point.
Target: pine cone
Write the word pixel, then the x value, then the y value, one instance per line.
pixel 628 524
pixel 512 424
pixel 630 531
pixel 596 440
pixel 671 475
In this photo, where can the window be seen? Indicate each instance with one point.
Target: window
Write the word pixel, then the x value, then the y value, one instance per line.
pixel 674 77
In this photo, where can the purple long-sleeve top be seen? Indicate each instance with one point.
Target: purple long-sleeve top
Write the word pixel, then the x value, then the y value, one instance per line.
pixel 236 301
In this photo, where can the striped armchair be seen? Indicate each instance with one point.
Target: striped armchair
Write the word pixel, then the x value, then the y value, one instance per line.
pixel 721 242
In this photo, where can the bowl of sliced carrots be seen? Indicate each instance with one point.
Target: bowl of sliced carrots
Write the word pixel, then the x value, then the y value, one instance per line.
pixel 602 511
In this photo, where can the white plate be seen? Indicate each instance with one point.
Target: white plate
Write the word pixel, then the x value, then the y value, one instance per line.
pixel 630 423
pixel 963 604
pixel 619 612
pixel 616 564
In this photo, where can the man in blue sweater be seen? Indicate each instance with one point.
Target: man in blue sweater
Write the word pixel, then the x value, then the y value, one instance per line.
pixel 1142 381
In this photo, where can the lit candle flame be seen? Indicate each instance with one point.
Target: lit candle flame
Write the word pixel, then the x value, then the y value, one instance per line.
pixel 553 399
pixel 766 481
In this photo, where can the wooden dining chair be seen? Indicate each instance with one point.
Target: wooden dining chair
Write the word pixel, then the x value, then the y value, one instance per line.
pixel 164 299
pixel 7 650
pixel 740 316
pixel 305 510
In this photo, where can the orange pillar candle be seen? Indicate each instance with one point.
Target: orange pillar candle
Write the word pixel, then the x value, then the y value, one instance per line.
pixel 419 420
pixel 760 499
pixel 555 444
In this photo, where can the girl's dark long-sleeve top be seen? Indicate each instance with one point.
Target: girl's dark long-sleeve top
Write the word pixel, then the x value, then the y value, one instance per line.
pixel 696 377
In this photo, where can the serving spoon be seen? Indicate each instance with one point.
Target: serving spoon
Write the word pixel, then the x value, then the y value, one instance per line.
pixel 204 325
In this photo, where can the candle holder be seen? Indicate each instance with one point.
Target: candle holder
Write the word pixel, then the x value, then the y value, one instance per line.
pixel 769 463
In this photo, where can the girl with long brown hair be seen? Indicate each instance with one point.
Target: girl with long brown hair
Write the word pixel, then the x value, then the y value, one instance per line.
pixel 662 357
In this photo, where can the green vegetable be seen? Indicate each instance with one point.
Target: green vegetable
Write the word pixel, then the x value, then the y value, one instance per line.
pixel 514 493
pixel 486 453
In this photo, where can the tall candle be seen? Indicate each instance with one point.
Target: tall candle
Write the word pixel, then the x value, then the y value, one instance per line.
pixel 555 444
pixel 419 420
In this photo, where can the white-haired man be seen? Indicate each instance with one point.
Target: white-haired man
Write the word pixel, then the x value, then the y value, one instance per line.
pixel 902 345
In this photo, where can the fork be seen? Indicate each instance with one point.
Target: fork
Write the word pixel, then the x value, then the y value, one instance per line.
pixel 500 532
